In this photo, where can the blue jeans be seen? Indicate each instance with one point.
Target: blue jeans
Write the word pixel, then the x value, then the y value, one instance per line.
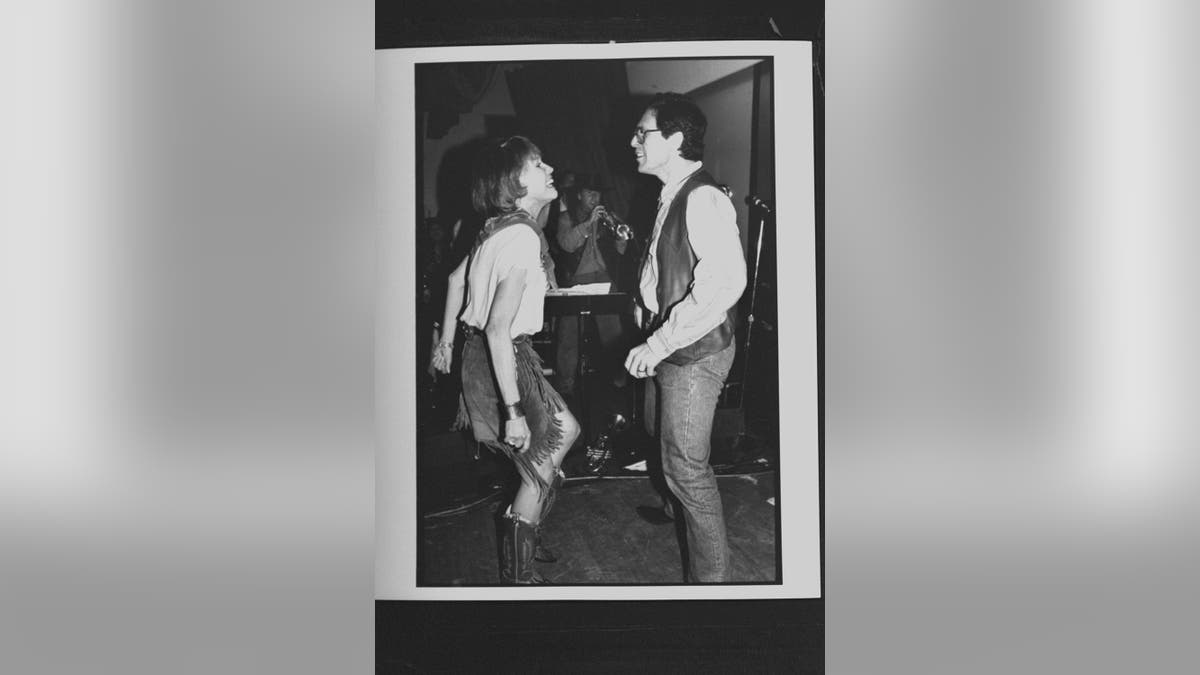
pixel 686 400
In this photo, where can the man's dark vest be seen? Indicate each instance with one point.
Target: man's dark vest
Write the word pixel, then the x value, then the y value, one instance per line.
pixel 676 263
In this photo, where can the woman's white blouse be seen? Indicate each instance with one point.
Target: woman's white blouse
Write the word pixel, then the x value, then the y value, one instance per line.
pixel 515 247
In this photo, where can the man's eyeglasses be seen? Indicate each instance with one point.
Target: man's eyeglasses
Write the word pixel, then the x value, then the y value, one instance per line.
pixel 640 133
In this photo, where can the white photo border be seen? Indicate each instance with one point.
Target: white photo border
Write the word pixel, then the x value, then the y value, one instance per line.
pixel 395 478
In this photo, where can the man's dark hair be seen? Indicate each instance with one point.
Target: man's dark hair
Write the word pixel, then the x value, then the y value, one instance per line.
pixel 678 113
pixel 496 175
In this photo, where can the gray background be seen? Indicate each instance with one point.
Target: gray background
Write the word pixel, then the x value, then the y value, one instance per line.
pixel 1010 315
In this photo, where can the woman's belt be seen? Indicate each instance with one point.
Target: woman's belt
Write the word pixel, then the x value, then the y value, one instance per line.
pixel 470 331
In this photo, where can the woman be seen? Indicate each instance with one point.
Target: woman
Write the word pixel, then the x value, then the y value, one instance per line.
pixel 511 405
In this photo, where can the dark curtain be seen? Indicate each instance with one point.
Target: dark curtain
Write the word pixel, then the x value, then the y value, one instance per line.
pixel 577 112
pixel 447 90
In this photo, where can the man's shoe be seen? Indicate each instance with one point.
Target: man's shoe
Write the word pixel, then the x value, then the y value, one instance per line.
pixel 654 515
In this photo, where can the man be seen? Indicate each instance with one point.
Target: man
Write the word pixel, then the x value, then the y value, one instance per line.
pixel 693 274
pixel 595 257
pixel 581 231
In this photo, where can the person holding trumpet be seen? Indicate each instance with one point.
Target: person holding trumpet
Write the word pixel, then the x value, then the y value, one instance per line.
pixel 596 242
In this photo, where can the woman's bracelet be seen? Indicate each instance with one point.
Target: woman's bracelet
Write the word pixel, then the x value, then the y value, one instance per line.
pixel 445 345
pixel 513 411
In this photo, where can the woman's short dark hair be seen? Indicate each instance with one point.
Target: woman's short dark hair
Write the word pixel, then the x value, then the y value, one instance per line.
pixel 678 113
pixel 496 175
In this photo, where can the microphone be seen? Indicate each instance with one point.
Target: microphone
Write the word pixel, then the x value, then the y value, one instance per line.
pixel 759 203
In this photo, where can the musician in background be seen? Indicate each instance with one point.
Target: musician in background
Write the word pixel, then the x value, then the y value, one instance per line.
pixel 595 242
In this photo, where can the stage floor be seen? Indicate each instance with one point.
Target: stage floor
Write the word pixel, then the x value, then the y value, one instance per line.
pixel 599 537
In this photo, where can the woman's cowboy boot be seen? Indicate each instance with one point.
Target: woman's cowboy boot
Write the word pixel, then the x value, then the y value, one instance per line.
pixel 541 553
pixel 516 551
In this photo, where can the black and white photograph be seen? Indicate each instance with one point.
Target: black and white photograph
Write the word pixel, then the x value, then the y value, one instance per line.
pixel 599 322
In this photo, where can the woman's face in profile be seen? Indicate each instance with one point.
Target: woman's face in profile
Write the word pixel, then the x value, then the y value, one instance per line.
pixel 537 179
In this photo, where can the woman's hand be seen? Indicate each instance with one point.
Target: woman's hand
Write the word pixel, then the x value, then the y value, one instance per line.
pixel 443 356
pixel 516 434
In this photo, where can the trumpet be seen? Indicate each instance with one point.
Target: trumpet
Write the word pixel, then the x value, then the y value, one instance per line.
pixel 619 228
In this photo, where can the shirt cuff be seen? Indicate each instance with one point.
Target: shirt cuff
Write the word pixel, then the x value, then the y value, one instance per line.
pixel 658 347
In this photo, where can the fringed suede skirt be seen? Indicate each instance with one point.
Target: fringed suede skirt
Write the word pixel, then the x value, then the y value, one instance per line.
pixel 484 405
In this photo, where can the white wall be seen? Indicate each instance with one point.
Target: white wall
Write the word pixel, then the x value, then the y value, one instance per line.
pixel 728 105
pixel 656 77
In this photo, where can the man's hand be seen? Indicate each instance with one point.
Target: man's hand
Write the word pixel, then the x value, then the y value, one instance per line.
pixel 641 361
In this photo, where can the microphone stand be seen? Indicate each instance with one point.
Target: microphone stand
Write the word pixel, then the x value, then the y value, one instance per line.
pixel 765 210
pixel 742 451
